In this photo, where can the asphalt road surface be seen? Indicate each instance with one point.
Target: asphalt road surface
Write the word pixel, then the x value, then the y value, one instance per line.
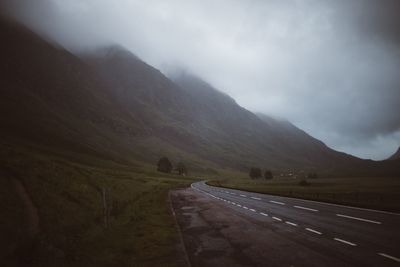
pixel 334 235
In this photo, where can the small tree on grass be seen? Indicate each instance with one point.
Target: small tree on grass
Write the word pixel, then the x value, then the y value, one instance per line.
pixel 164 165
pixel 268 174
pixel 255 173
pixel 181 168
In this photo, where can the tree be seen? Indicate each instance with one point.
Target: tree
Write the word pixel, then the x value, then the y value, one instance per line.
pixel 268 174
pixel 164 165
pixel 255 173
pixel 181 168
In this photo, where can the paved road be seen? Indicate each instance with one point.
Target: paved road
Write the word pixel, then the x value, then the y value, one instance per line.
pixel 358 237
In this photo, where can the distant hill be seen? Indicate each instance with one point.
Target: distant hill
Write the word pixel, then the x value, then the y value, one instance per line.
pixel 396 155
pixel 111 104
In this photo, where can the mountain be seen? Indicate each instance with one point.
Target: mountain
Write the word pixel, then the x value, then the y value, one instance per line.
pixel 396 155
pixel 110 104
pixel 200 121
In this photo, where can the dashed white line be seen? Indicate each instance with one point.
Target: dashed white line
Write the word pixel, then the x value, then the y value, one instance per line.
pixel 264 214
pixel 276 218
pixel 358 219
pixel 246 208
pixel 253 210
pixel 304 208
pixel 256 198
pixel 238 205
pixel 313 231
pixel 345 242
pixel 389 257
pixel 290 223
pixel 243 195
pixel 277 202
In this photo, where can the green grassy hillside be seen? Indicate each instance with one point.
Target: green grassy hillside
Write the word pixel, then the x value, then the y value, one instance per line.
pixel 68 197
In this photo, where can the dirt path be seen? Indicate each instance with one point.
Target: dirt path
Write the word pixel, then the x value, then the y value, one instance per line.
pixel 215 235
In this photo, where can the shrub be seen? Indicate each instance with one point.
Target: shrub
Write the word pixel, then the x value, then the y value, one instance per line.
pixel 164 165
pixel 255 173
pixel 181 168
pixel 268 174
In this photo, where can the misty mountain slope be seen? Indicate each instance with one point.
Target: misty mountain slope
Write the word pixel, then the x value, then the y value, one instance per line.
pixel 396 155
pixel 198 119
pixel 275 142
pixel 50 97
pixel 111 104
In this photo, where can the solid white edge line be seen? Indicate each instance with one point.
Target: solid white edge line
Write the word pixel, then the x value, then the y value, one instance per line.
pixel 290 223
pixel 264 214
pixel 277 202
pixel 389 257
pixel 357 218
pixel 313 231
pixel 330 204
pixel 345 242
pixel 276 218
pixel 305 208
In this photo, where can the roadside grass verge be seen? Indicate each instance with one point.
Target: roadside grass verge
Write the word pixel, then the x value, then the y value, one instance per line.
pixel 382 193
pixel 68 196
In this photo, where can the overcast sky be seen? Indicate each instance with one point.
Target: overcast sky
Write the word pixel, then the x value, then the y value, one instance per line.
pixel 330 67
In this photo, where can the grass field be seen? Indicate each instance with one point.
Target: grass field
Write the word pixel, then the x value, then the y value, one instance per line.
pixel 68 196
pixel 369 192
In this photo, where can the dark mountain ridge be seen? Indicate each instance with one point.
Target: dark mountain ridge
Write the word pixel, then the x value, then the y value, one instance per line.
pixel 396 155
pixel 112 104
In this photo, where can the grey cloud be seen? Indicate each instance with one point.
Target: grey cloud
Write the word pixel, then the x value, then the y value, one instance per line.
pixel 330 67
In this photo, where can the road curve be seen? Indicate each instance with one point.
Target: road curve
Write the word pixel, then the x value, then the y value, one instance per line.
pixel 359 237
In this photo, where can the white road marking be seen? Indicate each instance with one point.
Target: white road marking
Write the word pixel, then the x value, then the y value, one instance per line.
pixel 264 214
pixel 389 257
pixel 253 210
pixel 277 202
pixel 358 219
pixel 243 195
pixel 290 223
pixel 256 198
pixel 238 205
pixel 345 242
pixel 304 208
pixel 313 231
pixel 234 203
pixel 276 218
pixel 246 208
pixel 331 204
